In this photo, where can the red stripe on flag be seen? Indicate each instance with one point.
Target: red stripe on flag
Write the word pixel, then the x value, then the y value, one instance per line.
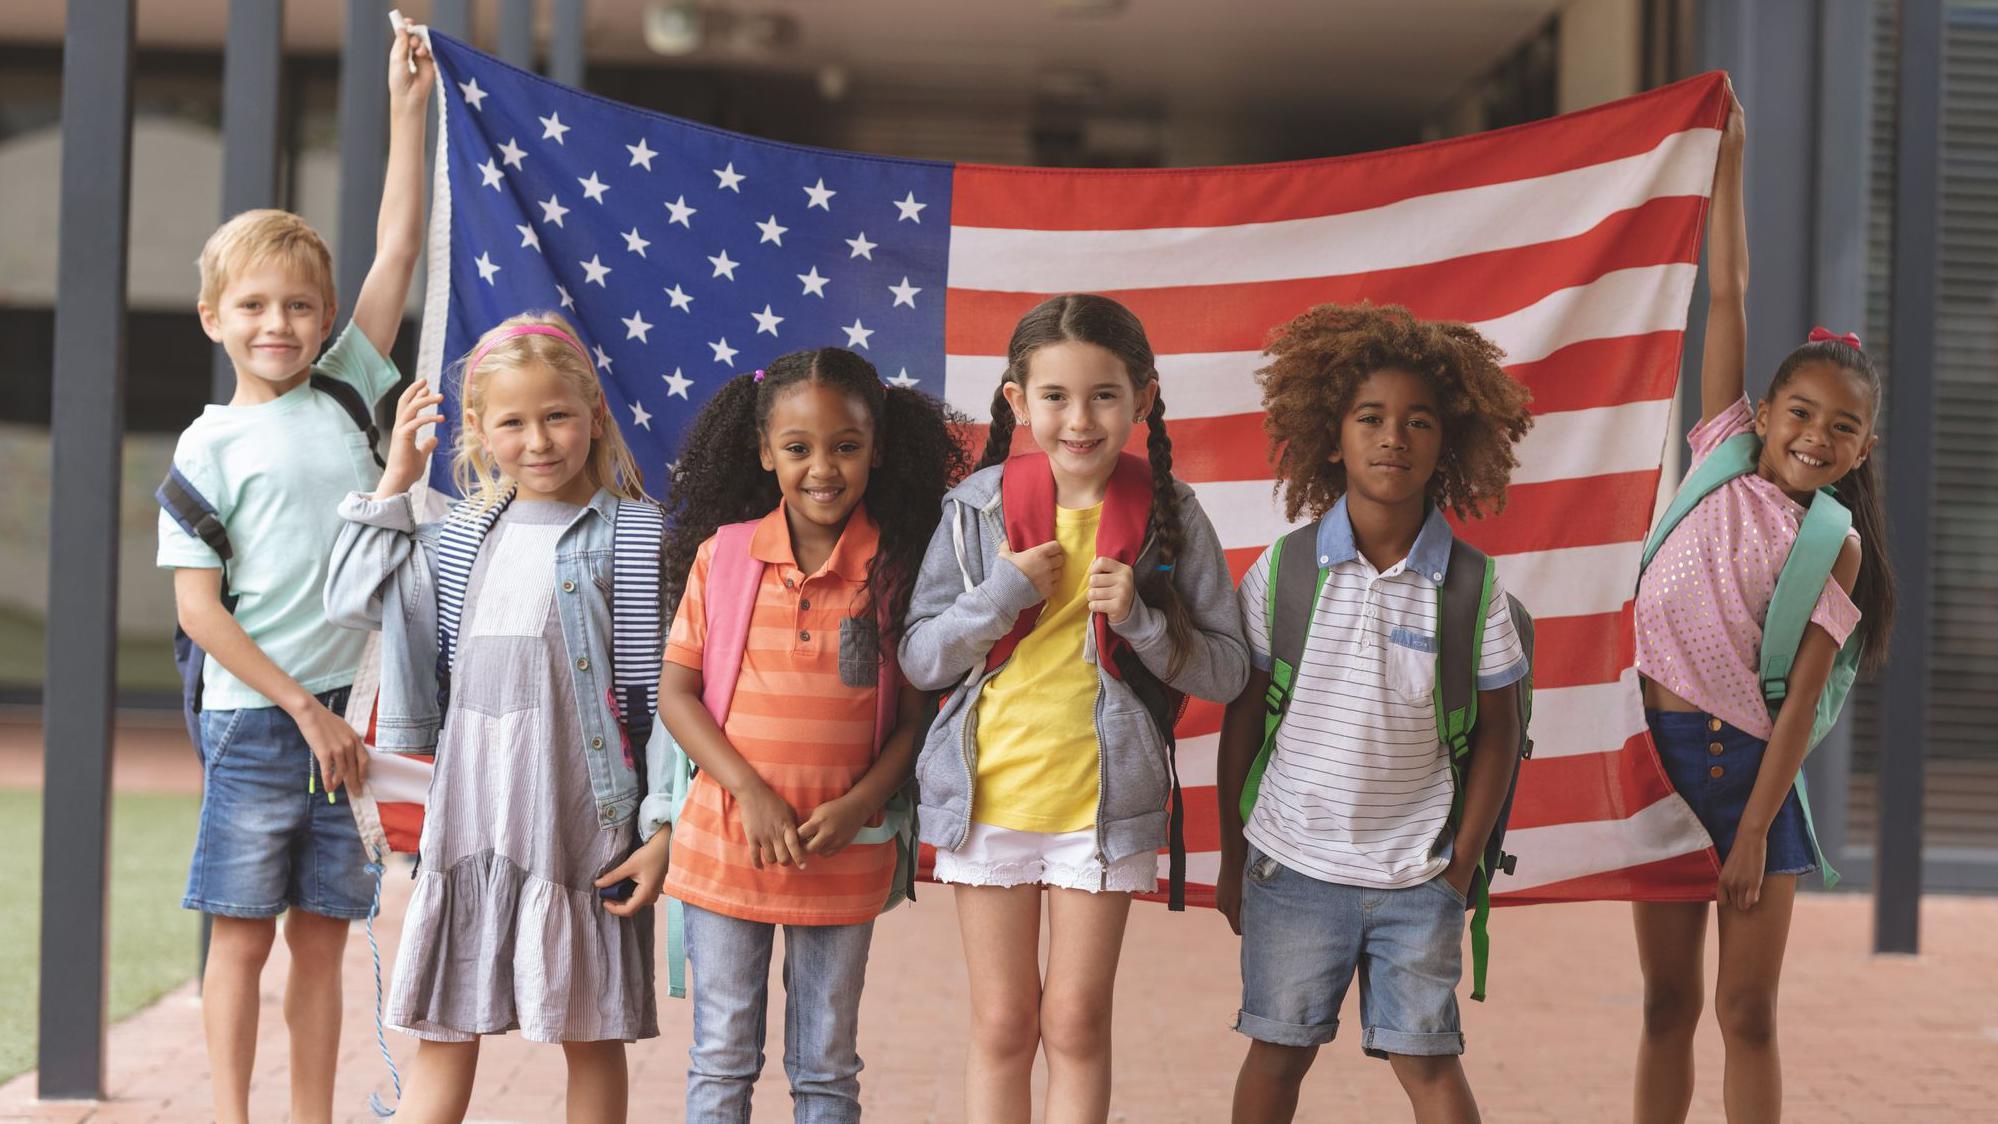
pixel 1606 372
pixel 1203 819
pixel 1203 318
pixel 1579 651
pixel 1585 787
pixel 1123 199
pixel 1690 877
pixel 403 825
pixel 1554 514
pixel 1201 717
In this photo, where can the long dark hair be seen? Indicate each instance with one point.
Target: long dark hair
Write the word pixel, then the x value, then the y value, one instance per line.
pixel 1873 589
pixel 1093 319
pixel 719 480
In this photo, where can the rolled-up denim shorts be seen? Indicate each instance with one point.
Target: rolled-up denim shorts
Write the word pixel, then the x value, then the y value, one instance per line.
pixel 1303 939
pixel 1713 766
pixel 266 843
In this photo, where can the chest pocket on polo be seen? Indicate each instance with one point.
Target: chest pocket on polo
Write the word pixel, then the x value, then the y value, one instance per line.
pixel 859 652
pixel 1411 664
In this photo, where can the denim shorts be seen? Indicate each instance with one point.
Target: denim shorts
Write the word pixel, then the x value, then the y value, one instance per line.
pixel 265 843
pixel 1303 939
pixel 1713 765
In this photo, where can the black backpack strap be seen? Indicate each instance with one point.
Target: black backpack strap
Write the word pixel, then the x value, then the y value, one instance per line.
pixel 188 508
pixel 357 409
pixel 1462 604
pixel 1296 596
pixel 1164 705
pixel 637 638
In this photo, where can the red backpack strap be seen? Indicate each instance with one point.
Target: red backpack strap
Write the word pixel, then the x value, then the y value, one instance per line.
pixel 733 577
pixel 1027 506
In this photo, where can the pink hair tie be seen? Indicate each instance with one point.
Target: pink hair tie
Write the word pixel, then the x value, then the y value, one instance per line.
pixel 759 375
pixel 1820 335
pixel 527 330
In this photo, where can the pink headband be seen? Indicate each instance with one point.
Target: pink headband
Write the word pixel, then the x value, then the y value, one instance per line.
pixel 526 330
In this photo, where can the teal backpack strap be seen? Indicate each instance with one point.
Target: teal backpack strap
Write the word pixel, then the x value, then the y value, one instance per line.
pixel 1734 457
pixel 1289 598
pixel 1462 603
pixel 676 948
pixel 1820 537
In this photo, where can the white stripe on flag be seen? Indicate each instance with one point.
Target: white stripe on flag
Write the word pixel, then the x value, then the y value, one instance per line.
pixel 1595 718
pixel 1560 852
pixel 1623 302
pixel 397 778
pixel 1436 227
pixel 1574 581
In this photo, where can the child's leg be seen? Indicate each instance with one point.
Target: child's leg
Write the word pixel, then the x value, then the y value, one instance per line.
pixel 237 949
pixel 1752 943
pixel 1301 941
pixel 1001 929
pixel 598 1083
pixel 440 1083
pixel 312 1010
pixel 1085 936
pixel 1266 1089
pixel 731 991
pixel 1671 941
pixel 1436 1088
pixel 825 968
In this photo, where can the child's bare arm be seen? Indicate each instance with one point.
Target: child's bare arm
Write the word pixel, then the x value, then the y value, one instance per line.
pixel 1241 738
pixel 1494 748
pixel 1724 360
pixel 399 228
pixel 197 594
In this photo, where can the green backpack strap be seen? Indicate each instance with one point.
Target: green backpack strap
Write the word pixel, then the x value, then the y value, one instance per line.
pixel 1289 598
pixel 1734 457
pixel 1463 602
pixel 1820 537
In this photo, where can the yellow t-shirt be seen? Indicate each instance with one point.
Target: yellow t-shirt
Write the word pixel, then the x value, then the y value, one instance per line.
pixel 1037 718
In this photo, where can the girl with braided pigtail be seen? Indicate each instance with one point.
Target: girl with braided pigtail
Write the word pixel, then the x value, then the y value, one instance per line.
pixel 1072 594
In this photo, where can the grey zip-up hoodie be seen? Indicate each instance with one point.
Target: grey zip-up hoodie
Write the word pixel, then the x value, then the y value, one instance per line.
pixel 966 600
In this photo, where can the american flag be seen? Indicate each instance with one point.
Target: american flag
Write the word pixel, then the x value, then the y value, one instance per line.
pixel 686 255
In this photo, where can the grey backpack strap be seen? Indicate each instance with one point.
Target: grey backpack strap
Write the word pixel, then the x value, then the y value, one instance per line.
pixel 1295 597
pixel 636 634
pixel 465 528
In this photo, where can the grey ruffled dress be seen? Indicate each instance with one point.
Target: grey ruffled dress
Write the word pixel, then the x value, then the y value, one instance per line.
pixel 505 930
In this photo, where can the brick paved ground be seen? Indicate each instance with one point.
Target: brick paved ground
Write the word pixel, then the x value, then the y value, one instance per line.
pixel 1867 1038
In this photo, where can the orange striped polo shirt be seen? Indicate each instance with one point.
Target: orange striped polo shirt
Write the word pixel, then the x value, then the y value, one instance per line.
pixel 809 734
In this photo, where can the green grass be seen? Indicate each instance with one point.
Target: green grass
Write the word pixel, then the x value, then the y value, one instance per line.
pixel 145 661
pixel 152 938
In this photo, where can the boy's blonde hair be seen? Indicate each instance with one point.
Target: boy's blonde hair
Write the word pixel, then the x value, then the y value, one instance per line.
pixel 611 465
pixel 261 237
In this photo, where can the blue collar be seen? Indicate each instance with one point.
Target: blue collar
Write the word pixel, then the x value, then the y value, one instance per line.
pixel 1430 556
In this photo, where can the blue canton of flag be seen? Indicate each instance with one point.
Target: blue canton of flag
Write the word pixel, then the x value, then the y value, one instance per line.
pixel 684 255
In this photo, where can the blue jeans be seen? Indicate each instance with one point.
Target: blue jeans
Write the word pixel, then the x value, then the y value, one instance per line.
pixel 265 843
pixel 824 968
pixel 1303 940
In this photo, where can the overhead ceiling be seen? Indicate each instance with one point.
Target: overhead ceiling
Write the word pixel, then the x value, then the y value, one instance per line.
pixel 1394 59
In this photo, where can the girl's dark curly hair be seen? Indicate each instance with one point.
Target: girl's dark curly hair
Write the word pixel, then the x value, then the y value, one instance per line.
pixel 1319 360
pixel 1089 318
pixel 719 479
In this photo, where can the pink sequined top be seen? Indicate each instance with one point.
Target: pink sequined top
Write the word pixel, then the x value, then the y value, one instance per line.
pixel 1701 602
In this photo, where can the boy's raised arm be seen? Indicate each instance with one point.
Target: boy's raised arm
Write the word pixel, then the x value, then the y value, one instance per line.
pixel 399 228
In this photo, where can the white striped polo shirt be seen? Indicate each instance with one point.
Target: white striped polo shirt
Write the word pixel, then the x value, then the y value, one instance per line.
pixel 1357 789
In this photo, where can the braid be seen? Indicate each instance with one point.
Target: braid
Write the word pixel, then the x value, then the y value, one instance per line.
pixel 1157 588
pixel 999 435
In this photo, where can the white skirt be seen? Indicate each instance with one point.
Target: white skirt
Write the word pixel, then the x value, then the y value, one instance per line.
pixel 1001 856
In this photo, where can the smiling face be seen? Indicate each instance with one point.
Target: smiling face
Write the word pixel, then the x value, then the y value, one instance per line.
pixel 270 321
pixel 820 443
pixel 1815 428
pixel 1390 439
pixel 537 426
pixel 1079 402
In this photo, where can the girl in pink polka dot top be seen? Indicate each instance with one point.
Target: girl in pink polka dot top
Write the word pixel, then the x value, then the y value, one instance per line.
pixel 1700 609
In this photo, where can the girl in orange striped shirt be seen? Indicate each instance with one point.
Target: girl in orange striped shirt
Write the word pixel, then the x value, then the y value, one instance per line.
pixel 844 478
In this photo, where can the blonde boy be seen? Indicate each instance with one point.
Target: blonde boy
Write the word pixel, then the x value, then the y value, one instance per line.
pixel 276 833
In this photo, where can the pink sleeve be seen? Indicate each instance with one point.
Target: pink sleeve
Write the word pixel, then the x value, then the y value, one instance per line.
pixel 1835 612
pixel 1707 436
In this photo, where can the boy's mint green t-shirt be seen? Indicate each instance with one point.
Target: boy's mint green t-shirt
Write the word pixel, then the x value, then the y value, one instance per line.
pixel 276 473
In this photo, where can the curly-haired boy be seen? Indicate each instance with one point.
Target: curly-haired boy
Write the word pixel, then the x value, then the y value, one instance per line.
pixel 1378 423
